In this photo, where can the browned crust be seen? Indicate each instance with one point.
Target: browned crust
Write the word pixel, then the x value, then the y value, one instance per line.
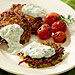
pixel 35 23
pixel 15 16
pixel 43 62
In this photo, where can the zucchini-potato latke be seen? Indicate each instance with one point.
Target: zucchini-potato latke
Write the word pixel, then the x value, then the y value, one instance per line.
pixel 30 26
pixel 44 62
pixel 15 16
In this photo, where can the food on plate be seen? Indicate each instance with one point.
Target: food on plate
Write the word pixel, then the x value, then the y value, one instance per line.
pixel 58 26
pixel 41 54
pixel 59 37
pixel 44 32
pixel 33 10
pixel 30 19
pixel 34 15
pixel 68 20
pixel 51 18
pixel 15 16
pixel 38 50
pixel 35 23
pixel 12 33
pixel 22 21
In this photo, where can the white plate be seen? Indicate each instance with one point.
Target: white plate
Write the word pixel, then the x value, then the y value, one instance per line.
pixel 10 63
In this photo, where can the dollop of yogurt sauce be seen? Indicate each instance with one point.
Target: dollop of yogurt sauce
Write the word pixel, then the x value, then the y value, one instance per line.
pixel 12 33
pixel 33 10
pixel 38 50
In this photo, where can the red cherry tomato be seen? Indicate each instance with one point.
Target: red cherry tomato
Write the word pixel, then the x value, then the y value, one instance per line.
pixel 58 26
pixel 44 32
pixel 51 18
pixel 59 37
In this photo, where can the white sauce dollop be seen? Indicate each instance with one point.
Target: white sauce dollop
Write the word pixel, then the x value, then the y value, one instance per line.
pixel 12 33
pixel 38 50
pixel 33 10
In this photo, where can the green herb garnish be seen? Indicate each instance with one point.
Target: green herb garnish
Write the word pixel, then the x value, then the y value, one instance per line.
pixel 69 20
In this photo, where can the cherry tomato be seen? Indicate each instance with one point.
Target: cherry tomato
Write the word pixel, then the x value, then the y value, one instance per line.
pixel 44 32
pixel 51 18
pixel 59 37
pixel 58 26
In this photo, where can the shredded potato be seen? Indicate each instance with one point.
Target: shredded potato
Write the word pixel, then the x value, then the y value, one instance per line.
pixel 15 16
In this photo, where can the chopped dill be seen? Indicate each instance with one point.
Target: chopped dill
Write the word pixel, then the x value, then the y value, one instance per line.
pixel 69 20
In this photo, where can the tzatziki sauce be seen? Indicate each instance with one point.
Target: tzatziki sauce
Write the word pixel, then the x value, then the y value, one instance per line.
pixel 33 10
pixel 12 33
pixel 38 50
